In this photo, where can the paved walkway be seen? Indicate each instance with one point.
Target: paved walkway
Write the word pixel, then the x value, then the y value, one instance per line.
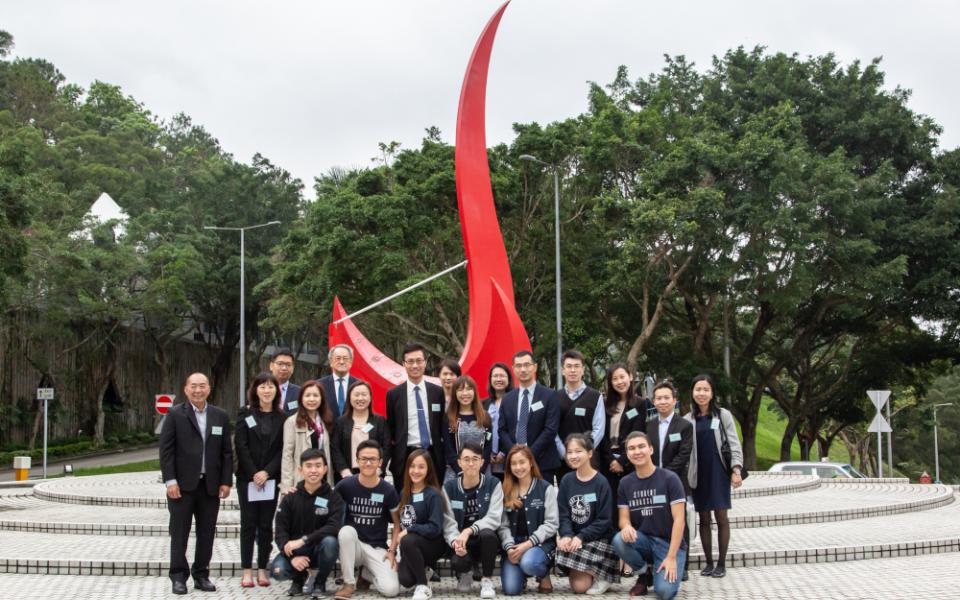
pixel 933 576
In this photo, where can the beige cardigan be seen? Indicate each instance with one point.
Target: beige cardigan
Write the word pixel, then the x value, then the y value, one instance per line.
pixel 295 441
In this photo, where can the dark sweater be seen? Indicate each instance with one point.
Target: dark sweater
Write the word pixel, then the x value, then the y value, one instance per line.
pixel 586 508
pixel 315 515
pixel 424 514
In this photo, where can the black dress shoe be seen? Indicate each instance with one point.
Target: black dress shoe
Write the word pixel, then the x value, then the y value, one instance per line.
pixel 720 571
pixel 204 585
pixel 179 587
pixel 707 571
pixel 686 576
pixel 296 588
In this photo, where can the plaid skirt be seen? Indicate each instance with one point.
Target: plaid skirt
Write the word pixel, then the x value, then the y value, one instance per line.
pixel 597 558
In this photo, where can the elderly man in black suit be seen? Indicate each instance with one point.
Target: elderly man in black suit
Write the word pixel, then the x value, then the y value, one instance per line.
pixel 336 384
pixel 530 416
pixel 196 461
pixel 415 414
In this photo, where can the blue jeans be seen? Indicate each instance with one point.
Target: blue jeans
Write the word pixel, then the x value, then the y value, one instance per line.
pixel 513 578
pixel 323 557
pixel 651 550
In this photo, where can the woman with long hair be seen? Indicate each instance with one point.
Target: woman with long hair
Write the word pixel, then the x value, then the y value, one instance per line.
pixel 586 522
pixel 529 524
pixel 709 475
pixel 625 412
pixel 309 427
pixel 499 382
pixel 259 442
pixel 357 424
pixel 448 373
pixel 467 422
pixel 421 521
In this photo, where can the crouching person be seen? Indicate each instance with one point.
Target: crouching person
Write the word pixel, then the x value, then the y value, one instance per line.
pixel 651 503
pixel 307 522
pixel 371 504
pixel 529 525
pixel 470 525
pixel 421 520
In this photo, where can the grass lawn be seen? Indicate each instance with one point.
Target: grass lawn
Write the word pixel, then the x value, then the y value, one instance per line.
pixel 770 426
pixel 147 465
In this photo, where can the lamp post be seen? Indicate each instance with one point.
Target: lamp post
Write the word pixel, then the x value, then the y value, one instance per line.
pixel 243 318
pixel 556 228
pixel 936 442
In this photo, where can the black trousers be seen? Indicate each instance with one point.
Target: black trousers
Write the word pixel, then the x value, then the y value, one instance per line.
pixel 199 505
pixel 416 553
pixel 481 548
pixel 256 524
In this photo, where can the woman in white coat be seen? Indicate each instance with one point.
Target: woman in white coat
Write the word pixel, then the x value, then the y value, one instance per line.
pixel 310 427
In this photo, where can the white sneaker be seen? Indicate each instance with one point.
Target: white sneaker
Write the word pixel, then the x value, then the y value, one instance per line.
pixel 486 588
pixel 422 592
pixel 599 586
pixel 465 582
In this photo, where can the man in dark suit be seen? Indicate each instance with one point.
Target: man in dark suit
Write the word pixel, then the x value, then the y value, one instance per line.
pixel 530 416
pixel 336 384
pixel 672 439
pixel 281 366
pixel 196 461
pixel 415 414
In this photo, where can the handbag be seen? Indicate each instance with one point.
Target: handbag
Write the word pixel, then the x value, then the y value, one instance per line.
pixel 726 454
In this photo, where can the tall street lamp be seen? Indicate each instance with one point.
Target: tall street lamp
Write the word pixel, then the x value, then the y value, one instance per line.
pixel 936 443
pixel 556 229
pixel 243 318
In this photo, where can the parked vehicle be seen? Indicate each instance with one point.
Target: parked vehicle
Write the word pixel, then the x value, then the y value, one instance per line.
pixel 824 470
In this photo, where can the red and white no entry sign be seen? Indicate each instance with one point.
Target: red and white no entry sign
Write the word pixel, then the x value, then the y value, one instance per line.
pixel 163 402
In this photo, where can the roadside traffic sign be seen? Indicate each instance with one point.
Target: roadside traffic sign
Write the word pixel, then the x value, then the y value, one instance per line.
pixel 44 393
pixel 163 402
pixel 879 425
pixel 878 397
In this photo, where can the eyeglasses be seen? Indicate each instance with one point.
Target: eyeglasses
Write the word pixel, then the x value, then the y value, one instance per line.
pixel 283 365
pixel 470 460
pixel 368 460
pixel 525 365
pixel 415 361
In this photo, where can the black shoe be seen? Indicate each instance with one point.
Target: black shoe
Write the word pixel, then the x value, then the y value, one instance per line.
pixel 435 577
pixel 296 589
pixel 204 585
pixel 707 571
pixel 685 577
pixel 720 571
pixel 179 587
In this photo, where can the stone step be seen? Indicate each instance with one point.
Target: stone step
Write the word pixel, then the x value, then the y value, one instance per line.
pixel 766 483
pixel 140 490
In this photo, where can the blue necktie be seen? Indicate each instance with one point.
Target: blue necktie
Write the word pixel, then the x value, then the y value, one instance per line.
pixel 422 419
pixel 341 400
pixel 523 417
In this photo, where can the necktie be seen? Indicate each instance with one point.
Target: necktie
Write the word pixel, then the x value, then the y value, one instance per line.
pixel 522 418
pixel 422 419
pixel 341 399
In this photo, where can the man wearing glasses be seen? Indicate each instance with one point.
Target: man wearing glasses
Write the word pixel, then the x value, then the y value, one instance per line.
pixel 336 384
pixel 581 408
pixel 414 414
pixel 281 367
pixel 530 416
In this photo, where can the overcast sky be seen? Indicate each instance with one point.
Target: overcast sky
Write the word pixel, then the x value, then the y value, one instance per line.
pixel 313 84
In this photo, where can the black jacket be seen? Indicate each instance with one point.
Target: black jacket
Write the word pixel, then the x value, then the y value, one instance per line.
pixel 254 452
pixel 676 454
pixel 182 448
pixel 340 442
pixel 397 422
pixel 629 422
pixel 299 514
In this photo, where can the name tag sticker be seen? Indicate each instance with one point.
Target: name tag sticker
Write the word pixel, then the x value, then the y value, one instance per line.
pixel 292 405
pixel 216 430
pixel 435 408
pixel 631 413
pixel 536 406
pixel 659 499
pixel 368 428
pixel 489 435
pixel 251 422
pixel 589 497
pixel 674 437
pixel 418 497
pixel 321 502
pixel 579 412
pixel 715 423
pixel 456 504
pixel 378 498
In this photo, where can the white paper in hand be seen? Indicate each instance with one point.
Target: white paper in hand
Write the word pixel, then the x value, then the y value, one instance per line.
pixel 255 494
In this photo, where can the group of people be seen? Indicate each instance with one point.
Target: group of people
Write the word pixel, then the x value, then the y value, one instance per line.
pixel 593 483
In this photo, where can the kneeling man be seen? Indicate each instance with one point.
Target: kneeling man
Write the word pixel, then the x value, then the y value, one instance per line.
pixel 651 503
